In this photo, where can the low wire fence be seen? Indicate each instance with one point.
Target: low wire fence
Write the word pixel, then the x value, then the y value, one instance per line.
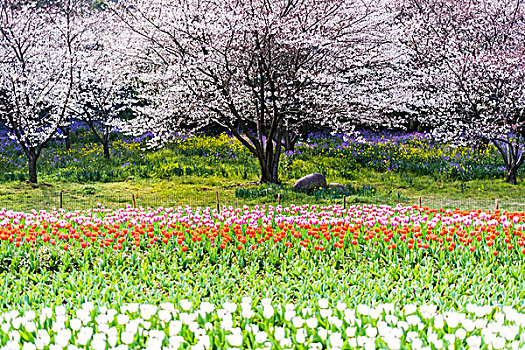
pixel 49 198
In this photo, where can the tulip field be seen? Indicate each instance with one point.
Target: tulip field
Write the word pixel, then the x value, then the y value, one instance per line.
pixel 268 277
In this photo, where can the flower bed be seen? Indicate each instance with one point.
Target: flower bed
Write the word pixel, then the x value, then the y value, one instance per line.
pixel 263 325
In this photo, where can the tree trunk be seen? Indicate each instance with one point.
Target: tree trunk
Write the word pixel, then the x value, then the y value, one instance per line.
pixel 289 144
pixel 290 138
pixel 512 157
pixel 67 140
pixel 512 174
pixel 269 167
pixel 269 160
pixel 32 169
pixel 269 172
pixel 105 147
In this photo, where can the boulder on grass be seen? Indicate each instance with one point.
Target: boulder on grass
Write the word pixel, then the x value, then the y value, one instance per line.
pixel 310 181
pixel 337 185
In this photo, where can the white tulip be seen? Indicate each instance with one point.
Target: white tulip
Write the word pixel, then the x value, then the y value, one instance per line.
pixel 43 336
pixel 145 324
pixel 480 323
pixel 112 334
pixel 84 335
pixel 62 337
pixel 427 311
pixel 322 333
pixel 450 338
pixel 156 334
pixel 498 343
pixel 60 310
pixel 312 322
pixel 325 313
pixel 350 331
pixel 174 327
pixel 261 337
pixel 132 307
pixel 461 333
pixel 175 341
pixel 306 311
pixel 227 322
pixel 371 331
pixel 438 343
pixel 297 322
pixel 29 346
pixel 410 309
pixel 122 319
pixel 338 323
pixel 127 337
pixel 336 340
pixel 413 320
pixel 279 333
pixel 323 303
pixel 393 343
pixel 147 310
pixel 341 306
pixel 193 326
pixel 99 341
pixel 235 339
pixel 285 343
pixel 300 336
pixel 411 336
pixel 185 304
pixel 403 325
pixel 30 326
pixel 289 314
pixel 509 332
pixel 266 302
pixel 230 307
pixel 268 311
pixel 169 306
pixel 375 313
pixel 363 309
pixel 438 322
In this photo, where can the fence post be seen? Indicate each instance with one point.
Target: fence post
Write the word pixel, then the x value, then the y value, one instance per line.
pixel 496 204
pixel 344 202
pixel 279 198
pixel 419 201
pixel 217 201
pixel 133 200
pixel 61 200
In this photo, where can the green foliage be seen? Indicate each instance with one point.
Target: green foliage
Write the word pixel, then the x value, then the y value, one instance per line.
pixel 155 276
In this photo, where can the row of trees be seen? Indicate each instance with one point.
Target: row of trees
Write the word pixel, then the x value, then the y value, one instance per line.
pixel 264 70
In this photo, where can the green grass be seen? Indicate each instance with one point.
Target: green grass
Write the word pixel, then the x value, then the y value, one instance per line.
pixel 390 188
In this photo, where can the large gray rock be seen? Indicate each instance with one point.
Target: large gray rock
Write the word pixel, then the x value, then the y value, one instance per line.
pixel 310 181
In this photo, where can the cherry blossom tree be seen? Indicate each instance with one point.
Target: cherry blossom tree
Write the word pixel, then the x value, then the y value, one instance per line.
pixel 103 84
pixel 261 69
pixel 468 57
pixel 37 57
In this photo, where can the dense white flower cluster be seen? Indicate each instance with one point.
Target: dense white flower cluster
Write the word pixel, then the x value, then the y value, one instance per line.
pixel 246 325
